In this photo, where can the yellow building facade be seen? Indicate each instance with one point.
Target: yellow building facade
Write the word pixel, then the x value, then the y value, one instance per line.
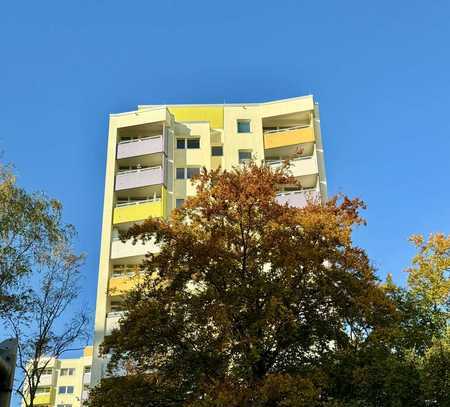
pixel 65 382
pixel 154 151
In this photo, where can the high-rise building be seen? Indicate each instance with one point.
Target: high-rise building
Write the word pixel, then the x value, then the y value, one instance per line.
pixel 154 151
pixel 64 382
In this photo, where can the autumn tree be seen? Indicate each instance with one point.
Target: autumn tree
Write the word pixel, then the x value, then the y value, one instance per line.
pixel 247 303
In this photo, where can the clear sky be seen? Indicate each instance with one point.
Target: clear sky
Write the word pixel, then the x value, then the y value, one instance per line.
pixel 379 69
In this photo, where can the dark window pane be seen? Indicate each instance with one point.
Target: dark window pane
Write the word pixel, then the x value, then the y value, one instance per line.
pixel 245 156
pixel 217 151
pixel 192 172
pixel 243 126
pixel 193 143
pixel 179 203
pixel 181 143
pixel 180 173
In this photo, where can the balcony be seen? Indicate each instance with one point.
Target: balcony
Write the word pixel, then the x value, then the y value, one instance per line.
pixel 139 178
pixel 121 249
pixel 46 380
pixel 299 166
pixel 84 395
pixel 139 210
pixel 122 284
pixel 45 399
pixel 140 146
pixel 87 378
pixel 298 199
pixel 112 321
pixel 289 136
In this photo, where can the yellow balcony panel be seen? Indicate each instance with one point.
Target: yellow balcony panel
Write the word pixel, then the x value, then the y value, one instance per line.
pixel 138 211
pixel 45 399
pixel 123 284
pixel 287 137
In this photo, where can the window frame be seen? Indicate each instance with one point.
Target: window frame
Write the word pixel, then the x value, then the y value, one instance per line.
pixel 243 121
pixel 196 139
pixel 184 143
pixel 216 155
pixel 190 169
pixel 244 160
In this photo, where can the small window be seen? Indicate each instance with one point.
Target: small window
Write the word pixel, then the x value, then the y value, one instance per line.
pixel 179 203
pixel 192 172
pixel 71 371
pixel 69 389
pixel 245 156
pixel 243 126
pixel 193 143
pixel 62 390
pixel 217 151
pixel 64 372
pixel 180 173
pixel 181 143
pixel 87 369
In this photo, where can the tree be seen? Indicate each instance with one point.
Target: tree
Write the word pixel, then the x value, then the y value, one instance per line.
pixel 248 301
pixel 38 326
pixel 30 224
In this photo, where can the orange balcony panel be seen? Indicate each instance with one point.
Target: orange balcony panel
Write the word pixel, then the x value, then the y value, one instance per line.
pixel 288 137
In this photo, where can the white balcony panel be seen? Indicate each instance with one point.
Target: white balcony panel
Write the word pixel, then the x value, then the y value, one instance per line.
pixel 300 166
pixel 298 199
pixel 138 147
pixel 46 380
pixel 112 321
pixel 87 378
pixel 121 249
pixel 139 178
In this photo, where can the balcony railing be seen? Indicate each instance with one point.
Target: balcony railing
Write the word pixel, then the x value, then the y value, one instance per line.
pixel 112 321
pixel 87 378
pixel 120 249
pixel 139 178
pixel 141 146
pixel 289 136
pixel 135 211
pixel 299 166
pixel 298 199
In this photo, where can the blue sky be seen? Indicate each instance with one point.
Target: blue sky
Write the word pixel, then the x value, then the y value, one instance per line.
pixel 380 71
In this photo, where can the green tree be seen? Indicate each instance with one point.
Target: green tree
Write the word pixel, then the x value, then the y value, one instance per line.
pixel 30 225
pixel 248 301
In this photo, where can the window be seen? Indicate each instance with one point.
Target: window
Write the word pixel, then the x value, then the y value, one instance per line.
pixel 244 156
pixel 188 173
pixel 193 143
pixel 181 143
pixel 62 390
pixel 180 173
pixel 191 172
pixel 64 405
pixel 47 371
pixel 217 151
pixel 179 203
pixel 67 371
pixel 243 126
pixel 87 369
pixel 41 390
pixel 69 389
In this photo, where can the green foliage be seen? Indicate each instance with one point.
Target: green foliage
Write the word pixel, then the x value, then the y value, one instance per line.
pixel 30 225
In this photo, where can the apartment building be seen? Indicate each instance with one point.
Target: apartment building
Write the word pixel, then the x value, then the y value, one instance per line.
pixel 65 382
pixel 154 151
